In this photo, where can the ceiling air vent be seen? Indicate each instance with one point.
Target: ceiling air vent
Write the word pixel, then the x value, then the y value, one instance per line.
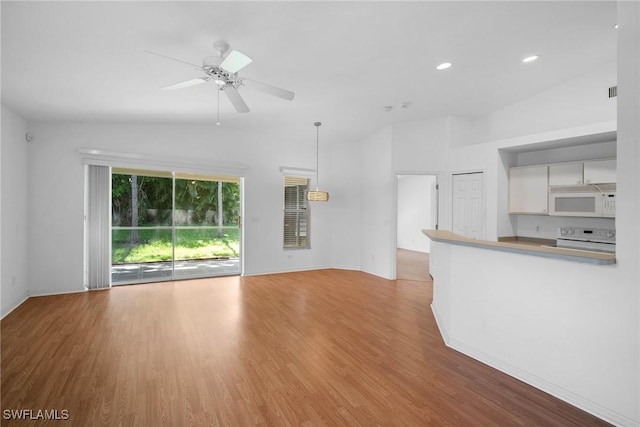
pixel 613 91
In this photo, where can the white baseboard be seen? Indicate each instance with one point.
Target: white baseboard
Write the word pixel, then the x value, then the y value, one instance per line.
pixel 443 332
pixel 346 267
pixel 264 273
pixel 539 383
pixel 63 292
pixel 387 277
pixel 16 305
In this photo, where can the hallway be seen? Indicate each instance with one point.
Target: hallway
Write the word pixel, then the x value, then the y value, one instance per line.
pixel 412 265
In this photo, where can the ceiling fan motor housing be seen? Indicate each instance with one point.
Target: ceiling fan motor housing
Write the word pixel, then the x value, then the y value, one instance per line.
pixel 211 66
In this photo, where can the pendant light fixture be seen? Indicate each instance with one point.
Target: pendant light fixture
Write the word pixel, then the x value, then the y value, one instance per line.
pixel 317 196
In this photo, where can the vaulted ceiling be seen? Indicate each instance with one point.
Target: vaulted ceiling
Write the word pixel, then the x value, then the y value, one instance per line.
pixel 85 61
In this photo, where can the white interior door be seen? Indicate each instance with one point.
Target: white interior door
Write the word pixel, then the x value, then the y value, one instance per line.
pixel 468 205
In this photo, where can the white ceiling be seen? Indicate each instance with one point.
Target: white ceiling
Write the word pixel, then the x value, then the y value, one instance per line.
pixel 84 61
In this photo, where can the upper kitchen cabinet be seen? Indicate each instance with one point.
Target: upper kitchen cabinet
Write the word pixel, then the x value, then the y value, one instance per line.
pixel 600 171
pixel 528 190
pixel 566 174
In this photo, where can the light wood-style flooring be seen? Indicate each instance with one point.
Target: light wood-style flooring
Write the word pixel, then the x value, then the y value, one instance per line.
pixel 412 265
pixel 318 348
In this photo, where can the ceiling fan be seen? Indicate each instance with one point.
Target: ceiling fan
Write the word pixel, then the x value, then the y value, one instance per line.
pixel 223 71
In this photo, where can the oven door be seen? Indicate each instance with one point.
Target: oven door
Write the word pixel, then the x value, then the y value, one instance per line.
pixel 575 204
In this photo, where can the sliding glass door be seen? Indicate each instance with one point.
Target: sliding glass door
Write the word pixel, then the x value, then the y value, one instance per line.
pixel 168 226
pixel 207 233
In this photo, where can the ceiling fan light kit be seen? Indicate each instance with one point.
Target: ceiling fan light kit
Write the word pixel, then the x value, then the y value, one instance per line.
pixel 317 195
pixel 223 71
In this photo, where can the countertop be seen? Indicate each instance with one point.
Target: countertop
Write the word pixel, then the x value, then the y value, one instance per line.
pixel 524 246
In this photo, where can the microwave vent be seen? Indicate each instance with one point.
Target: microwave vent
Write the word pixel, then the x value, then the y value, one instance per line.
pixel 613 91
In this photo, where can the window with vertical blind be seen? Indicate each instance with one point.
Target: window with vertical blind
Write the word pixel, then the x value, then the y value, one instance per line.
pixel 296 213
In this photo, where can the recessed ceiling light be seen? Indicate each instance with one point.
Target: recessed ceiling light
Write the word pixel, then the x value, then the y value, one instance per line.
pixel 530 58
pixel 443 66
pixel 615 27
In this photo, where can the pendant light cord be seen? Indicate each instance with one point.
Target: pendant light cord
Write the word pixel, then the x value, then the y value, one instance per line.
pixel 317 124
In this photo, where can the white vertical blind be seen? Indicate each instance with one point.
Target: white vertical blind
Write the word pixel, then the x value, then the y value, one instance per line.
pixel 98 227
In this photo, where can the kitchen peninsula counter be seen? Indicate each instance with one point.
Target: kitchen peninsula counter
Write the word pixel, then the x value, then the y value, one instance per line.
pixel 529 311
pixel 527 247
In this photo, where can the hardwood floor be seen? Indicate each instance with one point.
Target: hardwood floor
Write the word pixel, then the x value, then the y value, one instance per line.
pixel 329 347
pixel 412 265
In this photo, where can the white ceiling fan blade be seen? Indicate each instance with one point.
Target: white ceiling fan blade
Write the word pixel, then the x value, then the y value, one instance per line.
pixel 235 62
pixel 272 90
pixel 174 59
pixel 236 99
pixel 188 83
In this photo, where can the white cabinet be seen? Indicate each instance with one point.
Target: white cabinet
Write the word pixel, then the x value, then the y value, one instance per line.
pixel 528 190
pixel 565 174
pixel 529 185
pixel 600 171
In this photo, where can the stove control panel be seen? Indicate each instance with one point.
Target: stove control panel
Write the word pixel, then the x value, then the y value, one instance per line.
pixel 587 234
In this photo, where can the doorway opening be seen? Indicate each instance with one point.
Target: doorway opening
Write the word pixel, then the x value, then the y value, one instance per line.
pixel 173 226
pixel 417 210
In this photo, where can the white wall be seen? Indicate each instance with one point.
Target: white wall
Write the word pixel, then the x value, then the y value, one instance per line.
pixel 378 206
pixel 15 186
pixel 628 204
pixel 567 105
pixel 421 147
pixel 414 211
pixel 346 205
pixel 55 237
pixel 425 147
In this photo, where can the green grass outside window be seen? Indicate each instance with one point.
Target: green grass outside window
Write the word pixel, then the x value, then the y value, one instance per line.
pixel 156 245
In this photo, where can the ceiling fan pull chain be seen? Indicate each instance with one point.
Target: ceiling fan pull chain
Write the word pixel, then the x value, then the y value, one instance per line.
pixel 218 122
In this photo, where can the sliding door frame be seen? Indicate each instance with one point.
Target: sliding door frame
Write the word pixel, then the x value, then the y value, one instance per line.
pixel 174 227
pixel 125 160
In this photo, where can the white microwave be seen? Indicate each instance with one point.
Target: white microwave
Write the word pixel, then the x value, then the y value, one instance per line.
pixel 583 200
